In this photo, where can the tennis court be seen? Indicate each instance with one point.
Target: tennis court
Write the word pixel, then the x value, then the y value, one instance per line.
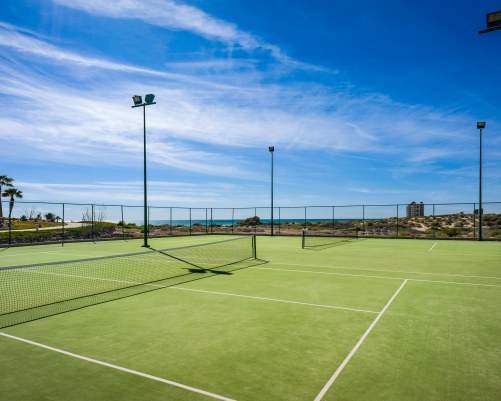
pixel 362 319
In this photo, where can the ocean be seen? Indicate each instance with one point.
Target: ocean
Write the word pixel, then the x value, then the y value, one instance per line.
pixel 230 222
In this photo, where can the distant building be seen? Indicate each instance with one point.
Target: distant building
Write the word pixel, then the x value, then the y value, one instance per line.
pixel 415 209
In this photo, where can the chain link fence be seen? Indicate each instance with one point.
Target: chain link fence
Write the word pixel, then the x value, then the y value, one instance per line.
pixel 49 222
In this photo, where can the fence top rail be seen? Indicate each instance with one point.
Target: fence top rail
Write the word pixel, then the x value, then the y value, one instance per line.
pixel 249 207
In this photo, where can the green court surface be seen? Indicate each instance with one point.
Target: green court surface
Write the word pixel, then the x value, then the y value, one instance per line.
pixel 368 319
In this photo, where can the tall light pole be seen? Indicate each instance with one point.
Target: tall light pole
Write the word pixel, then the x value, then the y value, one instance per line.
pixel 271 149
pixel 138 102
pixel 480 126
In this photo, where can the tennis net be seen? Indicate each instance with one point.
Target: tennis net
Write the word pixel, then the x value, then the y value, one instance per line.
pixel 325 238
pixel 31 292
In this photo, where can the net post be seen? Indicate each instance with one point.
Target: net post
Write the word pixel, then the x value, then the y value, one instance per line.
pixel 302 239
pixel 254 247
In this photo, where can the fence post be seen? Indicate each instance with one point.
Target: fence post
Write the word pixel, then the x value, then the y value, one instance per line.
pixel 304 225
pixel 363 218
pixel 62 238
pixel 279 220
pixel 92 221
pixel 255 225
pixel 232 219
pixel 170 220
pixel 397 220
pixel 190 220
pixel 211 221
pixel 474 221
pixel 333 220
pixel 123 222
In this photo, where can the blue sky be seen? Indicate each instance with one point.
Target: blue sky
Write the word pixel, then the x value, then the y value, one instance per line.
pixel 365 102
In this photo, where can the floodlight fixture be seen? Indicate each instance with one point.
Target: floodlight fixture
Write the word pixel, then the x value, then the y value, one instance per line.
pixel 493 22
pixel 137 100
pixel 481 124
pixel 149 98
pixel 271 148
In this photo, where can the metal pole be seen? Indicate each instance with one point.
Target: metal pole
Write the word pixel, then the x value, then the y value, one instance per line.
pixel 474 221
pixel 62 239
pixel 123 222
pixel 397 220
pixel 170 220
pixel 271 151
pixel 480 238
pixel 255 225
pixel 145 189
pixel 190 220
pixel 279 221
pixel 333 218
pixel 363 218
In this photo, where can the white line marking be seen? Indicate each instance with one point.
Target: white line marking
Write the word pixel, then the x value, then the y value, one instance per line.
pixel 380 277
pixel 388 271
pixel 275 300
pixel 109 365
pixel 433 246
pixel 356 347
pixel 328 273
pixel 197 290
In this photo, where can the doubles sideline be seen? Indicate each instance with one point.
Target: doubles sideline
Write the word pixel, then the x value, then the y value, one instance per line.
pixel 338 371
pixel 120 368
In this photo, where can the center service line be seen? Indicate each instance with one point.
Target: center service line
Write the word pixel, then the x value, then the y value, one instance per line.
pixel 433 246
pixel 109 365
pixel 356 347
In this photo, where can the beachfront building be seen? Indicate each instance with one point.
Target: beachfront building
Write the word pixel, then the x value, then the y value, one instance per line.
pixel 415 209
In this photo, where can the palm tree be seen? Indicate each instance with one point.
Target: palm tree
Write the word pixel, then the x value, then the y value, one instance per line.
pixel 12 193
pixel 4 181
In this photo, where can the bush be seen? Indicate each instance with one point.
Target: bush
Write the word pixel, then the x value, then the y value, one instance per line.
pixel 251 221
pixel 451 232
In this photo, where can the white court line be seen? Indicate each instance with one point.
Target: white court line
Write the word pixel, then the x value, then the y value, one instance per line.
pixel 380 277
pixel 388 271
pixel 356 347
pixel 203 291
pixel 433 246
pixel 120 368
pixel 275 300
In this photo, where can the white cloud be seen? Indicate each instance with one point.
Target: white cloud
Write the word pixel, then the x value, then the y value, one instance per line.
pixel 175 16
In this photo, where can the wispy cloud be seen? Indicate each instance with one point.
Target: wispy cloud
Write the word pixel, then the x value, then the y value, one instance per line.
pixel 175 16
pixel 197 119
